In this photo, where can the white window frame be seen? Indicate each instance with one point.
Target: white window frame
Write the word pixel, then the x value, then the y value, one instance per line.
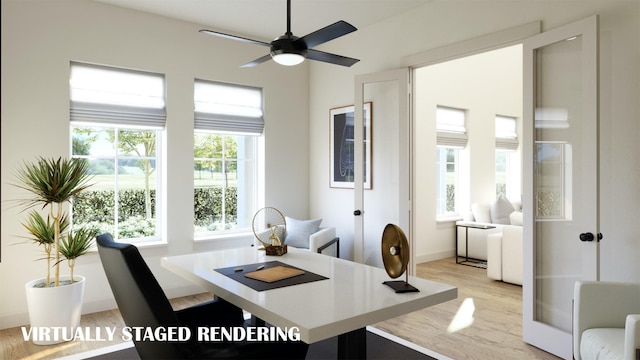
pixel 220 114
pixel 121 99
pixel 441 177
pixel 451 134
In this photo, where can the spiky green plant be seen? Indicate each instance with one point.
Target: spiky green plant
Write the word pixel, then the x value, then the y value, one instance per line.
pixel 53 182
pixel 76 244
pixel 43 233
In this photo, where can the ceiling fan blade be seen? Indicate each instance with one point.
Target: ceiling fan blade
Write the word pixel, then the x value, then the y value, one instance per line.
pixel 330 58
pixel 258 61
pixel 327 33
pixel 234 37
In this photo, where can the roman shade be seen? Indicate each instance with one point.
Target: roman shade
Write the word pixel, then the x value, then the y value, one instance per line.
pixel 104 95
pixel 450 126
pixel 228 108
pixel 506 133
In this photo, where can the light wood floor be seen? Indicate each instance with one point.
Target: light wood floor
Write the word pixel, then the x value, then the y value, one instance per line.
pixel 496 332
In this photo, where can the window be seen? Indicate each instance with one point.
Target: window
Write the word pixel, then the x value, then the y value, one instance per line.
pixel 117 124
pixel 506 145
pixel 227 142
pixel 451 137
pixel 446 180
pixel 502 172
pixel 552 178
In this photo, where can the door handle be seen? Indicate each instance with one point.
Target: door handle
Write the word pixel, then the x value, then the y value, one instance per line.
pixel 357 213
pixel 587 237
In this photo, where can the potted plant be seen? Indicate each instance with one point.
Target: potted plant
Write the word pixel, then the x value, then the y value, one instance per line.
pixel 55 301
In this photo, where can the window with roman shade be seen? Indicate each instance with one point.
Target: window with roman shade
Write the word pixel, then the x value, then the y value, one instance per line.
pixel 228 151
pixel 228 108
pixel 506 133
pixel 117 125
pixel 451 138
pixel 450 127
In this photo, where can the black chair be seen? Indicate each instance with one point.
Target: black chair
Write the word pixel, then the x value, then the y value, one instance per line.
pixel 143 303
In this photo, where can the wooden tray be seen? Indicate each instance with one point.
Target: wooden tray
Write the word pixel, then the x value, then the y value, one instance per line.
pixel 274 274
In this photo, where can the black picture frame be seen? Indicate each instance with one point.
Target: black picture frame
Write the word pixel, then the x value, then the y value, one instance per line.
pixel 342 146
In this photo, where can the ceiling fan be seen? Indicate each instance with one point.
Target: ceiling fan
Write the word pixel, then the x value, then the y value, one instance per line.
pixel 289 49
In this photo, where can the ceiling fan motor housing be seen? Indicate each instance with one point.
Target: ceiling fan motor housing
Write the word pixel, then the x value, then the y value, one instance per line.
pixel 287 44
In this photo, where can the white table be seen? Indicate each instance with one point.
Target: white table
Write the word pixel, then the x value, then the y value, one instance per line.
pixel 352 298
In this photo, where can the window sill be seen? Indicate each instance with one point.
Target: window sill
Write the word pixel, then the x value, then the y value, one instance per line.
pixel 224 236
pixel 149 244
pixel 138 244
pixel 448 219
pixel 204 242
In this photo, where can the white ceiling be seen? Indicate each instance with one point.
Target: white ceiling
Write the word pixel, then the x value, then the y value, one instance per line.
pixel 267 19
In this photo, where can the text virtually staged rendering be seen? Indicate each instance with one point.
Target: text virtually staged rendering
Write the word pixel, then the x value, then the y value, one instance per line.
pixel 168 334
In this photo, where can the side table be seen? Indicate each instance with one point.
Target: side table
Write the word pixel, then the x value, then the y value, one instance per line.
pixel 467 260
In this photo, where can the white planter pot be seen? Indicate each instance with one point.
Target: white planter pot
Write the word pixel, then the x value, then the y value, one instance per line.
pixel 55 307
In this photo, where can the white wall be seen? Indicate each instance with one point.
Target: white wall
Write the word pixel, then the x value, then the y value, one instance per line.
pixel 40 38
pixel 384 45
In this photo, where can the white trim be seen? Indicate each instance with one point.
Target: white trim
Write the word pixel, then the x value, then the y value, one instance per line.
pixel 480 44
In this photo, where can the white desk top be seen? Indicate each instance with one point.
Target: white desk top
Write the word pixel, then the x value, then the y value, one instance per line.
pixel 352 298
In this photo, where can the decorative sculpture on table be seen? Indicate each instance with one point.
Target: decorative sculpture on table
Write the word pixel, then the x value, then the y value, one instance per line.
pixel 269 226
pixel 275 240
pixel 395 256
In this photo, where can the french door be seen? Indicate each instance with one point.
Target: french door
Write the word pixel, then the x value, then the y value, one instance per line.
pixel 560 199
pixel 560 176
pixel 387 200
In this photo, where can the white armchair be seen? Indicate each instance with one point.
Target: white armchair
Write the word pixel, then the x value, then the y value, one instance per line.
pixel 324 241
pixel 606 320
pixel 307 234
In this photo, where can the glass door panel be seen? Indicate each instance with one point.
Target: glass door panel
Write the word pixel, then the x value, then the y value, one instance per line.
pixel 561 188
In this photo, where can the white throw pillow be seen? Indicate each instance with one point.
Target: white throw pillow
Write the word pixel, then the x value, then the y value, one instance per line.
pixel 481 212
pixel 516 218
pixel 298 231
pixel 500 211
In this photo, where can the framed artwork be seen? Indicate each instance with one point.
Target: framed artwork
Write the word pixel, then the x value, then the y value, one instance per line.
pixel 342 146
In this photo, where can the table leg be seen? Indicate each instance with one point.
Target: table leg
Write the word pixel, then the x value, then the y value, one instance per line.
pixel 353 345
pixel 457 244
pixel 466 244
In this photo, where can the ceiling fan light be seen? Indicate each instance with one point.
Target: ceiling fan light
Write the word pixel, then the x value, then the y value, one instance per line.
pixel 287 59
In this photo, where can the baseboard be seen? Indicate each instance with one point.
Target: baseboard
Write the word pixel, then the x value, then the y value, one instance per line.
pixel 14 320
pixel 90 307
pixel 434 256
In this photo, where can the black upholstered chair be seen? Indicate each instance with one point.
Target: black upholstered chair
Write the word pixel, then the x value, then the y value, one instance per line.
pixel 143 303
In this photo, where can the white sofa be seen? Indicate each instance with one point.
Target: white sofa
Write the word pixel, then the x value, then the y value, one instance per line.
pixel 499 213
pixel 606 320
pixel 504 255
